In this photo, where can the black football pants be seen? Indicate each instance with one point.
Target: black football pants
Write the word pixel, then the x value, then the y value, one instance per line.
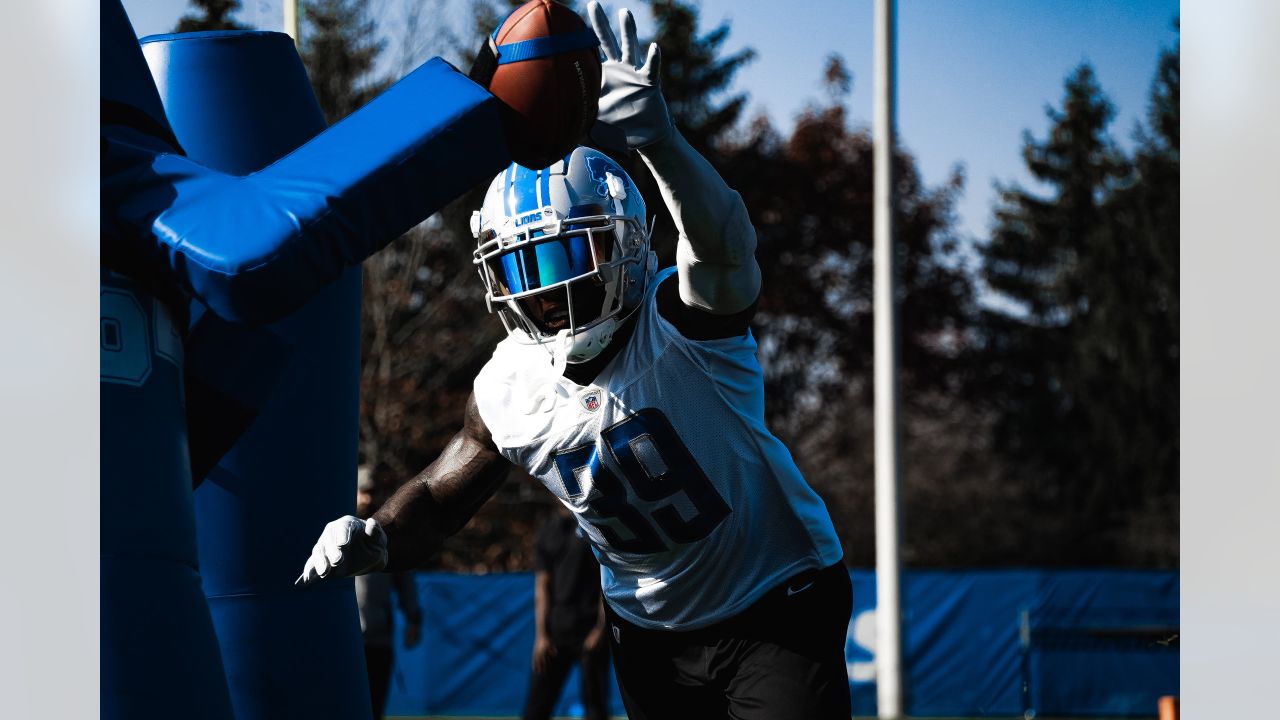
pixel 781 659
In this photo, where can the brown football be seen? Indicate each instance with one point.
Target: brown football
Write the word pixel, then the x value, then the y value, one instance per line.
pixel 552 99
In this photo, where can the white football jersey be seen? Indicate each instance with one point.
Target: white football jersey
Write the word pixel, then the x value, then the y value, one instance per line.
pixel 693 507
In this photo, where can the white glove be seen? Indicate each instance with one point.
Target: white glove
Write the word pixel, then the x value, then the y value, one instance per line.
pixel 633 113
pixel 348 546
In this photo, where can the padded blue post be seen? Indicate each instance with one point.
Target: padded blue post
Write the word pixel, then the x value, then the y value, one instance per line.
pixel 158 653
pixel 253 244
pixel 237 102
pixel 159 656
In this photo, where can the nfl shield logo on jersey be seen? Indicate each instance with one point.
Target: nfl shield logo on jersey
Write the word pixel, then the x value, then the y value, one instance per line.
pixel 591 401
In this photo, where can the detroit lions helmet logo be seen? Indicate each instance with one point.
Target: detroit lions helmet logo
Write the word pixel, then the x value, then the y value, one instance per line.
pixel 600 169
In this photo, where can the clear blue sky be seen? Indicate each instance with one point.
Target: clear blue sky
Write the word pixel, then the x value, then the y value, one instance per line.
pixel 972 74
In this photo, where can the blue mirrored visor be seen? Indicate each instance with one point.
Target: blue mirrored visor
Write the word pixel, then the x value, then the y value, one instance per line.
pixel 537 266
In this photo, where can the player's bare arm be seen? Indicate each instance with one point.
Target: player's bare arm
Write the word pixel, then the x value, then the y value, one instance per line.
pixel 411 526
pixel 443 497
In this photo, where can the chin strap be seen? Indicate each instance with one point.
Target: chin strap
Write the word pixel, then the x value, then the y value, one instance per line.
pixel 560 352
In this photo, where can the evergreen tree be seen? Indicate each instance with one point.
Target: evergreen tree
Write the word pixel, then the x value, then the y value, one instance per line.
pixel 1082 372
pixel 216 15
pixel 1130 347
pixel 340 48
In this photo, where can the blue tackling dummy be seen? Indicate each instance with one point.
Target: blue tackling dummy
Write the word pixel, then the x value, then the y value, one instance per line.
pixel 243 229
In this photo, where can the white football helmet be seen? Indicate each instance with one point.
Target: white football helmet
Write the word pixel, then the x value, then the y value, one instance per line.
pixel 564 252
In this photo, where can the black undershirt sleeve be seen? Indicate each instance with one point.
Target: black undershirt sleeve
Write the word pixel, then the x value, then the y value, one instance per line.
pixel 698 324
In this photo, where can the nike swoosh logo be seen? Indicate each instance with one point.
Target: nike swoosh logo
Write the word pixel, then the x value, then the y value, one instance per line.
pixel 796 591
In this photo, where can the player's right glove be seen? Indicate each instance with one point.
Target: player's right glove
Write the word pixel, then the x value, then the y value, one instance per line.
pixel 348 546
pixel 633 113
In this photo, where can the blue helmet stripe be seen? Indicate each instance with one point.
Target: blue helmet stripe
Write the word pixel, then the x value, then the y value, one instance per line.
pixel 506 189
pixel 524 190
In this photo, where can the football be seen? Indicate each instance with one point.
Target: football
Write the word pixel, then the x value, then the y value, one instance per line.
pixel 548 75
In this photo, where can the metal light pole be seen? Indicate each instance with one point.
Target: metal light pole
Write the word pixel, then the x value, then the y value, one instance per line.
pixel 291 19
pixel 889 693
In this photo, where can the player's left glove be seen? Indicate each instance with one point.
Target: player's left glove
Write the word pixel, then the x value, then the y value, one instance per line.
pixel 633 112
pixel 348 546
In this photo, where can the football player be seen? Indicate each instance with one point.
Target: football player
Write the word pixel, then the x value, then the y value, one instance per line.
pixel 635 396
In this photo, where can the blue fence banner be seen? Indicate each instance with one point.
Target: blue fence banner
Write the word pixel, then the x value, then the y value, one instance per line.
pixel 981 643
